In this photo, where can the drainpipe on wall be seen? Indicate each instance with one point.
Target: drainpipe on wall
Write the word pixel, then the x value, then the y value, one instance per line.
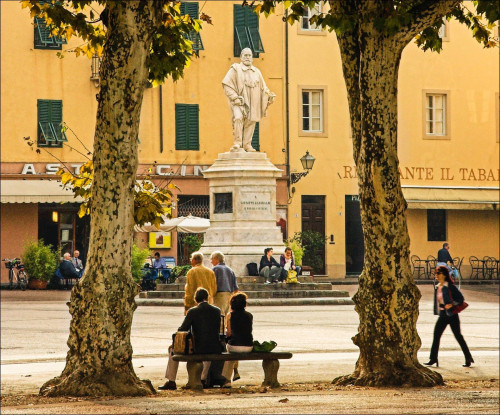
pixel 161 121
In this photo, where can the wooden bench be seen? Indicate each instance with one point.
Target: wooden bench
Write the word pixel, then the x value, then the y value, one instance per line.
pixel 270 364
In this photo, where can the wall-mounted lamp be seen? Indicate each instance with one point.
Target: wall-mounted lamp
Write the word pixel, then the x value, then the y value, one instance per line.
pixel 307 164
pixel 55 216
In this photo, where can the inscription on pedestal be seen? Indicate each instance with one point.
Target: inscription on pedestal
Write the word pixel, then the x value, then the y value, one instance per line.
pixel 223 203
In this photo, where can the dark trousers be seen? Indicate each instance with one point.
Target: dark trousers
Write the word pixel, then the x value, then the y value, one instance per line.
pixel 441 324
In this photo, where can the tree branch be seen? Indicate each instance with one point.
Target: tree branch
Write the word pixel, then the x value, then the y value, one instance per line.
pixel 425 14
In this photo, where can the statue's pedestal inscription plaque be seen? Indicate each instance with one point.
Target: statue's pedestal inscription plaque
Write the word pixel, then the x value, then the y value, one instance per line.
pixel 243 209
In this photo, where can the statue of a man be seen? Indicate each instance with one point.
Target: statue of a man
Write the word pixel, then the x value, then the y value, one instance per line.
pixel 248 98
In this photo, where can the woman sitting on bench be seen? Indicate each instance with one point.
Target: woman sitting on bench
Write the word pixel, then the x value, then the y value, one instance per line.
pixel 239 332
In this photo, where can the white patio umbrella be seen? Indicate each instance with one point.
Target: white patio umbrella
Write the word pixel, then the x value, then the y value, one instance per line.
pixel 187 224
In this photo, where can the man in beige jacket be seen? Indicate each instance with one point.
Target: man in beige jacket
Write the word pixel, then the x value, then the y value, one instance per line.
pixel 199 276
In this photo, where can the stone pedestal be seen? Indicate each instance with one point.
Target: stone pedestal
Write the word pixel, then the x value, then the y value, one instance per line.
pixel 242 209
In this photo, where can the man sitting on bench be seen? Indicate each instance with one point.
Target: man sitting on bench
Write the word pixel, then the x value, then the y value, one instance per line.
pixel 204 322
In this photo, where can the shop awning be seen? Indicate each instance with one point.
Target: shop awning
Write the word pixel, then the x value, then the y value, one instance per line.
pixel 452 197
pixel 35 191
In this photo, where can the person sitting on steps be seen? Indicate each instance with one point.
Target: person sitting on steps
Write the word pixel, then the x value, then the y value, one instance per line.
pixel 287 263
pixel 269 267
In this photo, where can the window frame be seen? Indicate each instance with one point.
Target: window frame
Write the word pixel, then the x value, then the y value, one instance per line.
pixel 324 110
pixel 446 28
pixel 49 128
pixel 446 114
pixel 443 223
pixel 311 32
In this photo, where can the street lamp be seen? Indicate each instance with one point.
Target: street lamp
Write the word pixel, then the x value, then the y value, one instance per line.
pixel 307 164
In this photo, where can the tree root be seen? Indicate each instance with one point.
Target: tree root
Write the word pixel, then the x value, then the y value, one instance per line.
pixel 408 377
pixel 79 384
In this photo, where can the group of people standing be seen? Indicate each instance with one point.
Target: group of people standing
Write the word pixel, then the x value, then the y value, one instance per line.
pixel 209 295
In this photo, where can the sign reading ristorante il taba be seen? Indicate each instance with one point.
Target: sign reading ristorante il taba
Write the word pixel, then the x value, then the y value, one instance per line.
pixel 52 168
pixel 435 173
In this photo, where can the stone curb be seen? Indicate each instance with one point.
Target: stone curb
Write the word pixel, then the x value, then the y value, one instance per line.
pixel 253 302
pixel 354 281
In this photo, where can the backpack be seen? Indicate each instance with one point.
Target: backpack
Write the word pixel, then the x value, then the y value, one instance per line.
pixel 253 271
pixel 291 277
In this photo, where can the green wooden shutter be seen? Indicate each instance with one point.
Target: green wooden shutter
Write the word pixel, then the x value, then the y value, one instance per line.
pixel 253 31
pixel 246 31
pixel 193 10
pixel 56 119
pixel 45 136
pixel 181 134
pixel 187 135
pixel 255 138
pixel 193 127
pixel 43 38
pixel 241 40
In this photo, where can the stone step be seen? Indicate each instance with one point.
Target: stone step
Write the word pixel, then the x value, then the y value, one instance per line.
pixel 254 301
pixel 277 293
pixel 257 287
pixel 258 280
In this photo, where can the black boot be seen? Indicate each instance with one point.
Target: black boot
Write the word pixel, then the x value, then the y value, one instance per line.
pixel 431 362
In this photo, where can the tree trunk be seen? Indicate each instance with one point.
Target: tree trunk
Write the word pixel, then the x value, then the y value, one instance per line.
pixel 99 360
pixel 387 299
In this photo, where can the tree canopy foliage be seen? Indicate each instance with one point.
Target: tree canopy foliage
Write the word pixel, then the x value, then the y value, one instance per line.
pixel 170 50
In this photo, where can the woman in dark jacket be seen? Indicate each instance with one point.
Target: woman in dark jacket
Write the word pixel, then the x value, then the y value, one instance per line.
pixel 239 332
pixel 447 296
pixel 269 267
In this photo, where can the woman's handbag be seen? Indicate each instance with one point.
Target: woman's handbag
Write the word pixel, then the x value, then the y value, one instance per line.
pixel 183 342
pixel 291 277
pixel 459 307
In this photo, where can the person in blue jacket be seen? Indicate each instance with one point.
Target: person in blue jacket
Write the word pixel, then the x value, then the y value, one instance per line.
pixel 447 296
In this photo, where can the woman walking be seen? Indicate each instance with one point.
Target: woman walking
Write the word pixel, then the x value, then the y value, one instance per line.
pixel 446 297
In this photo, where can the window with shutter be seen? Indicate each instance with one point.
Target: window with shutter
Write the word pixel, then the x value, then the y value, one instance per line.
pixel 255 137
pixel 246 30
pixel 50 123
pixel 192 9
pixel 187 127
pixel 43 38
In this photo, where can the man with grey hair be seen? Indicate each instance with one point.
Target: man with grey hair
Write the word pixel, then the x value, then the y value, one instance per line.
pixel 248 98
pixel 226 282
pixel 198 276
pixel 66 269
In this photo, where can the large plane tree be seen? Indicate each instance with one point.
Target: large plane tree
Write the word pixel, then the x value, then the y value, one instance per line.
pixel 141 42
pixel 372 35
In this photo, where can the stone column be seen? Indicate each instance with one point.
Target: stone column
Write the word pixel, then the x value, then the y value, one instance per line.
pixel 242 209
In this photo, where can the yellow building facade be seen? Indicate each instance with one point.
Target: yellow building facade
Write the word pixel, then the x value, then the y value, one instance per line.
pixel 455 172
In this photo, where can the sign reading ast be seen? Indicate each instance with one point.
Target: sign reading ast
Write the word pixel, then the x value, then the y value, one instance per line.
pixel 160 169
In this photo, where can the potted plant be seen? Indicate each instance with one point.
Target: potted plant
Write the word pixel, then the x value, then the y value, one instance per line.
pixel 40 263
pixel 139 257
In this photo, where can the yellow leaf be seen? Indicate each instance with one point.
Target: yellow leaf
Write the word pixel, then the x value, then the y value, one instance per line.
pixel 25 4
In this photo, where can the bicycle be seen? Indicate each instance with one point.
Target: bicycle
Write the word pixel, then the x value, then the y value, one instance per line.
pixel 19 277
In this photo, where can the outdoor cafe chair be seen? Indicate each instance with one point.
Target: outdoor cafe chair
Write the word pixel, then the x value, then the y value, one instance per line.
pixel 431 266
pixel 419 266
pixel 489 267
pixel 476 267
pixel 457 263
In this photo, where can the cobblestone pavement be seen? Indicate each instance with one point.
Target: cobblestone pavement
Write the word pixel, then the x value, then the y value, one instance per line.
pixel 35 330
